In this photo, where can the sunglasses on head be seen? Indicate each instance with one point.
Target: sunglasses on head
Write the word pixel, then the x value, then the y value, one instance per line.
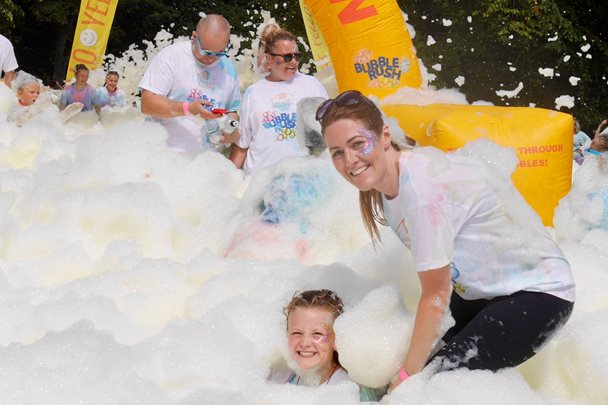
pixel 350 97
pixel 205 52
pixel 288 57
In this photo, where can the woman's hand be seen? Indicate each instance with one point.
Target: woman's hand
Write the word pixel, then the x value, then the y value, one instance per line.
pixel 600 127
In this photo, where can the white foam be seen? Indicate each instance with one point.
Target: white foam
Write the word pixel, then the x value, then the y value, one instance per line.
pixel 133 274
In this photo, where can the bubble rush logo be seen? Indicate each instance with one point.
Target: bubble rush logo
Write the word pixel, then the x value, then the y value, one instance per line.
pixel 284 123
pixel 383 71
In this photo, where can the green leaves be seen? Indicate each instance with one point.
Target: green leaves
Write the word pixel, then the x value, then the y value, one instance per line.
pixel 497 44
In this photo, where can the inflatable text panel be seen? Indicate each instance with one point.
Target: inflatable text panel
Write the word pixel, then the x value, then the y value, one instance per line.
pixel 370 47
pixel 542 140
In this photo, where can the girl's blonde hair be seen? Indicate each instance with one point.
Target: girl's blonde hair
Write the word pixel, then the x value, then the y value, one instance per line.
pixel 366 112
pixel 325 299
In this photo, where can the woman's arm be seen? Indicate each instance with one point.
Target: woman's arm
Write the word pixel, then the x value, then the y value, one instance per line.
pixel 238 155
pixel 434 302
pixel 600 127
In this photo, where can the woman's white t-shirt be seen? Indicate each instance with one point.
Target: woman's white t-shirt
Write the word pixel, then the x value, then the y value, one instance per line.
pixel 450 211
pixel 268 119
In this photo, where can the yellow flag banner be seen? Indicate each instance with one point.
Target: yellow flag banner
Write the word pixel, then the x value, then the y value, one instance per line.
pixel 92 32
pixel 368 42
pixel 320 53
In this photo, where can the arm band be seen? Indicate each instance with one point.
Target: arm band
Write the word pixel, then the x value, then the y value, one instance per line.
pixel 403 375
pixel 185 108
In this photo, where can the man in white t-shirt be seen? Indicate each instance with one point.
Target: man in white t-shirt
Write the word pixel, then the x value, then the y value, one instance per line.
pixel 190 79
pixel 8 62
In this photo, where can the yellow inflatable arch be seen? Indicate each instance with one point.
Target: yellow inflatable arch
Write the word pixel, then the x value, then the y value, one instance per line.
pixel 370 49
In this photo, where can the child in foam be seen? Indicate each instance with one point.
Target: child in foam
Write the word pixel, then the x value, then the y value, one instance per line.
pixel 79 91
pixel 479 250
pixel 268 113
pixel 110 95
pixel 310 317
pixel 31 101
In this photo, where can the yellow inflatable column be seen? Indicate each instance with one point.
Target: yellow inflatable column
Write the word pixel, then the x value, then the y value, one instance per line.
pixel 542 140
pixel 369 45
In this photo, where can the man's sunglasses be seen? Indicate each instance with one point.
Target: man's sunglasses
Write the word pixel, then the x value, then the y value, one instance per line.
pixel 288 57
pixel 205 52
pixel 350 97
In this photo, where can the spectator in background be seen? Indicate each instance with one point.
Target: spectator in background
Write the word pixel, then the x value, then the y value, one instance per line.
pixel 602 128
pixel 580 143
pixel 110 94
pixel 79 91
pixel 8 61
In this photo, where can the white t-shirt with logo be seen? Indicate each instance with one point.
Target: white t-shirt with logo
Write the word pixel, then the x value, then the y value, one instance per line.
pixel 8 61
pixel 176 74
pixel 451 210
pixel 268 119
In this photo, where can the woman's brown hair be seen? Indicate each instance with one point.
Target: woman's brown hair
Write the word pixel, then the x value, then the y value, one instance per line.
pixel 273 34
pixel 79 67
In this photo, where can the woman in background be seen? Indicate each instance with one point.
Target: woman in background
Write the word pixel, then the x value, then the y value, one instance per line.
pixel 268 113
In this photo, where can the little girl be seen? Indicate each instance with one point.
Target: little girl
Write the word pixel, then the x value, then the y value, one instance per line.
pixel 110 94
pixel 311 341
pixel 31 102
pixel 80 91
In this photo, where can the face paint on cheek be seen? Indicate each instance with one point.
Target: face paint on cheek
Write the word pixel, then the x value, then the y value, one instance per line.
pixel 370 143
pixel 323 339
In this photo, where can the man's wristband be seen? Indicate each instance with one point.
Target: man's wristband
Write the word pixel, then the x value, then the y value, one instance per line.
pixel 185 108
pixel 403 375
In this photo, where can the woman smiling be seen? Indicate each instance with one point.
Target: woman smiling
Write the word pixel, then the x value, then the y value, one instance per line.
pixel 268 114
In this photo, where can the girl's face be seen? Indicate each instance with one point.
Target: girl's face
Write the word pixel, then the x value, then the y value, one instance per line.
pixel 112 83
pixel 29 94
pixel 358 154
pixel 82 76
pixel 279 69
pixel 311 338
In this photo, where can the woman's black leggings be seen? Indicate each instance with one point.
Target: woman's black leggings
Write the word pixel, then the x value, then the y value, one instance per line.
pixel 501 332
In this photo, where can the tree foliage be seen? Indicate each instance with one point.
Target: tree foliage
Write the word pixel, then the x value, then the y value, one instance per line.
pixel 496 45
pixel 8 12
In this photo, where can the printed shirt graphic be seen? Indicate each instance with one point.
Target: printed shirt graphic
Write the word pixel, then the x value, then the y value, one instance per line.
pixel 114 99
pixel 448 213
pixel 86 96
pixel 268 119
pixel 175 73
